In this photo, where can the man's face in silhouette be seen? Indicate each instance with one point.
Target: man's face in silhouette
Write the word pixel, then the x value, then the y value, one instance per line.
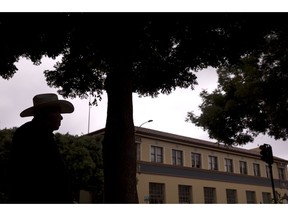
pixel 54 120
pixel 51 117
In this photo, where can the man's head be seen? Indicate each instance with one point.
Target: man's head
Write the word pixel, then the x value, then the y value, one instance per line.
pixel 50 116
pixel 48 108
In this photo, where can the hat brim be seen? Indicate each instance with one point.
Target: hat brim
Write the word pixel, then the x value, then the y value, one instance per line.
pixel 65 107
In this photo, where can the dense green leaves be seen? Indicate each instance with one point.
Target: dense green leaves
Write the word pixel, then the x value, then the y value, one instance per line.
pixel 159 50
pixel 83 158
pixel 5 143
pixel 82 155
pixel 251 97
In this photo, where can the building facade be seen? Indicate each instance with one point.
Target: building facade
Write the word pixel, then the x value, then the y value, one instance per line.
pixel 176 169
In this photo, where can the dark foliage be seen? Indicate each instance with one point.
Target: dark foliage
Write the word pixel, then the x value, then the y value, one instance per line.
pixel 251 97
pixel 83 158
pixel 82 155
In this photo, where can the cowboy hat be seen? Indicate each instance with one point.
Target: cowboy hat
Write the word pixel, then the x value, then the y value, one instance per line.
pixel 48 100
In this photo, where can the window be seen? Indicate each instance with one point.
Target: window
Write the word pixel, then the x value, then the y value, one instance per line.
pixel 209 195
pixel 250 196
pixel 196 160
pixel 138 151
pixel 266 197
pixel 243 167
pixel 267 171
pixel 213 164
pixel 231 196
pixel 228 165
pixel 256 169
pixel 156 193
pixel 156 154
pixel 177 157
pixel 185 194
pixel 281 172
pixel 138 146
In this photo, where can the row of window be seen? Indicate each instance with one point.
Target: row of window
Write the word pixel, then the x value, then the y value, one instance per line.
pixel 156 156
pixel 157 194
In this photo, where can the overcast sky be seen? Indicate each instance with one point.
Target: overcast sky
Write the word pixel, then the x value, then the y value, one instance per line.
pixel 168 112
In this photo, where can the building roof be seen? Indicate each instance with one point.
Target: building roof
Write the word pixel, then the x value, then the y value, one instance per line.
pixel 164 136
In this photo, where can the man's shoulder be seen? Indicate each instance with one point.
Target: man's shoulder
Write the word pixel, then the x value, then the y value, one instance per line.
pixel 26 126
pixel 32 130
pixel 28 129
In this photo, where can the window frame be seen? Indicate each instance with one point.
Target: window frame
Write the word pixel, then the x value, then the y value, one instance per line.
pixel 138 153
pixel 281 173
pixel 177 157
pixel 156 192
pixel 231 196
pixel 196 160
pixel 267 197
pixel 243 169
pixel 251 197
pixel 229 167
pixel 267 169
pixel 256 169
pixel 184 193
pixel 213 162
pixel 209 195
pixel 156 155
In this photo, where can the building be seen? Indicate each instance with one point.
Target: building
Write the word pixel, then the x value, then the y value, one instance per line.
pixel 177 169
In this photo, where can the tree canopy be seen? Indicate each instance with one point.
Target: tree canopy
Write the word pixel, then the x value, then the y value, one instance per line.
pixel 121 53
pixel 251 97
pixel 161 51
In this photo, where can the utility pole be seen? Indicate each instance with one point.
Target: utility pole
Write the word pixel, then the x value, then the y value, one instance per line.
pixel 89 109
pixel 272 182
pixel 267 156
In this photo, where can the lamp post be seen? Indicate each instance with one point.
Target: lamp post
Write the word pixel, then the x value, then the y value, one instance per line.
pixel 138 168
pixel 89 109
pixel 138 140
pixel 145 122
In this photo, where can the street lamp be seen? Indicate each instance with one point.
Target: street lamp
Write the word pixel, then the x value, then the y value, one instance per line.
pixel 138 147
pixel 145 122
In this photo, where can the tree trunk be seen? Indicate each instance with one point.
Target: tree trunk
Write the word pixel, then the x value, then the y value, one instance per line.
pixel 119 149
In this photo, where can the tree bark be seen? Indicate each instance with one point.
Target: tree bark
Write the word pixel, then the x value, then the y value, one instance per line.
pixel 119 149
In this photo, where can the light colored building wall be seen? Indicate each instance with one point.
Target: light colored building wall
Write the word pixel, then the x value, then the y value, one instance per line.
pixel 172 176
pixel 171 189
pixel 171 182
pixel 187 150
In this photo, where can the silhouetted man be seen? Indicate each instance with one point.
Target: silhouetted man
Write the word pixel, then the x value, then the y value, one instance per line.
pixel 37 173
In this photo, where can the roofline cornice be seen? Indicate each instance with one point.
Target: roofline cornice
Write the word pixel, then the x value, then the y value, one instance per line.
pixel 188 141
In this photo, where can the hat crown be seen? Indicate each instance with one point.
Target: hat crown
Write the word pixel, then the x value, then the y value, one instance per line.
pixel 48 100
pixel 44 98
